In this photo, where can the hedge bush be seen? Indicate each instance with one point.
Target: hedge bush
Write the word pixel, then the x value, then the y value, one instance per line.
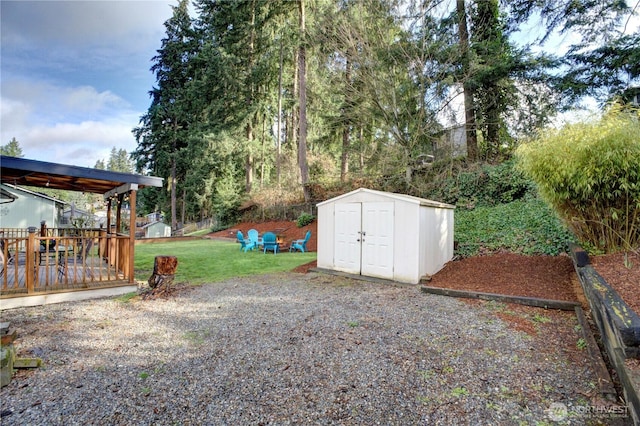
pixel 590 174
pixel 526 226
pixel 305 219
pixel 480 185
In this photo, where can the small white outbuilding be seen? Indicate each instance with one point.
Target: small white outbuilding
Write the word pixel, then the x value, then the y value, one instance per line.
pixel 386 235
pixel 156 230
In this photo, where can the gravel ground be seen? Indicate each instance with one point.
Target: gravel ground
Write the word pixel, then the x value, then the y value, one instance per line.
pixel 294 349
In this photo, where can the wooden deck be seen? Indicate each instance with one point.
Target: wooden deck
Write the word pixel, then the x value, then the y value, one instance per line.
pixel 59 273
pixel 64 265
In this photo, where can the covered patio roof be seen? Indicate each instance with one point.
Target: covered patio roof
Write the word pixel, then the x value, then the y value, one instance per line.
pixel 20 171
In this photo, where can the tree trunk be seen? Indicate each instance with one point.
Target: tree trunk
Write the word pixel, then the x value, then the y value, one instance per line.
pixel 493 133
pixel 249 160
pixel 362 142
pixel 293 131
pixel 174 219
pixel 279 129
pixel 344 161
pixel 469 106
pixel 164 271
pixel 302 137
pixel 262 142
pixel 184 205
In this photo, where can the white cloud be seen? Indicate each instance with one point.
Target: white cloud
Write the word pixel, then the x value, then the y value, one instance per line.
pixel 78 143
pixel 47 101
pixel 88 99
pixel 69 125
pixel 104 44
pixel 13 113
pixel 75 75
pixel 79 23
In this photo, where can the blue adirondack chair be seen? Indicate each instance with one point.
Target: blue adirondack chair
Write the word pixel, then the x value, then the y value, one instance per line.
pixel 245 245
pixel 252 235
pixel 270 242
pixel 300 244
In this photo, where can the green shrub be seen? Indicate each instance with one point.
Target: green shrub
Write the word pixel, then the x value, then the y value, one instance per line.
pixel 305 219
pixel 590 174
pixel 479 185
pixel 526 226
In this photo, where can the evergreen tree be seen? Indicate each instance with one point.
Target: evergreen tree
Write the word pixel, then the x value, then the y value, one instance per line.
pixel 119 161
pixel 492 73
pixel 12 149
pixel 605 61
pixel 163 133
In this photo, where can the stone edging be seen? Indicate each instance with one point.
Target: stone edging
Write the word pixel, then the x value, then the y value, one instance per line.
pixel 618 324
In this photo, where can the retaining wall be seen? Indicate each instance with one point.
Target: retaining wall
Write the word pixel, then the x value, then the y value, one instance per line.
pixel 619 327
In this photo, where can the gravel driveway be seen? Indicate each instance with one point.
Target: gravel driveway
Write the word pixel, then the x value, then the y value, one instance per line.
pixel 294 349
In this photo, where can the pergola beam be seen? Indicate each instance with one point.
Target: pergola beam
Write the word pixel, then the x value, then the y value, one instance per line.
pixel 122 189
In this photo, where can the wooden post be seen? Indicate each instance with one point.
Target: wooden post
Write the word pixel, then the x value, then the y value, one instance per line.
pixel 102 243
pixel 109 215
pixel 30 266
pixel 132 233
pixel 107 251
pixel 119 213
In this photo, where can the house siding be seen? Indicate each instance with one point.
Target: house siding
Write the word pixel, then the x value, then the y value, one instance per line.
pixel 30 209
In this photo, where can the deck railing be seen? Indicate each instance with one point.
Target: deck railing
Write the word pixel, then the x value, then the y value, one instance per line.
pixel 63 259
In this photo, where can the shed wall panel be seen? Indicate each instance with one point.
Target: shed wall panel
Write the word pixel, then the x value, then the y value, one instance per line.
pixel 378 239
pixel 406 262
pixel 347 247
pixel 326 225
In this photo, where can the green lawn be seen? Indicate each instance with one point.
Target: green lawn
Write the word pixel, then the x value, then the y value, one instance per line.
pixel 204 261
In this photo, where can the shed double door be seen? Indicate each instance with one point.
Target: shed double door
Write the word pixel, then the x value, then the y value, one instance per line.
pixel 364 238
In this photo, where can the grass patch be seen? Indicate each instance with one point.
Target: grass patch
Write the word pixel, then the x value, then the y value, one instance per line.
pixel 127 296
pixel 199 233
pixel 205 261
pixel 541 319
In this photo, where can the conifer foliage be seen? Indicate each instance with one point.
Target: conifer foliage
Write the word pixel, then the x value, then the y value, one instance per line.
pixel 287 96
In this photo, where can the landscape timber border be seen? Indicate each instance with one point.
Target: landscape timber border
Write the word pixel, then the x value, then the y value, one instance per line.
pixel 618 324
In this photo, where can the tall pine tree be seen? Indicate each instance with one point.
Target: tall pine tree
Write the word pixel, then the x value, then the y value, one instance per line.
pixel 163 133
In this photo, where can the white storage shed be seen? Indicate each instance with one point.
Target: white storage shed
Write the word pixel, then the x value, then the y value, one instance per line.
pixel 156 230
pixel 386 235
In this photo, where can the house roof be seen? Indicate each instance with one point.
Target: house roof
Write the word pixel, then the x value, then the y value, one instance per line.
pixel 6 196
pixel 392 195
pixel 14 188
pixel 150 224
pixel 21 171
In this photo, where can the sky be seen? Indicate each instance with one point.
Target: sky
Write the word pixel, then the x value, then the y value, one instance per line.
pixel 75 76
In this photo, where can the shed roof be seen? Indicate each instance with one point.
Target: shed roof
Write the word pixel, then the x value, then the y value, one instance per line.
pixel 402 197
pixel 150 224
pixel 21 171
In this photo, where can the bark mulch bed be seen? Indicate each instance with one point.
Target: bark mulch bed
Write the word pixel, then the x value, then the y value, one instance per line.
pixel 623 276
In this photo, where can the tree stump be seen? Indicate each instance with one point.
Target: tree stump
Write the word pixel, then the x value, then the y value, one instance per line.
pixel 164 271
